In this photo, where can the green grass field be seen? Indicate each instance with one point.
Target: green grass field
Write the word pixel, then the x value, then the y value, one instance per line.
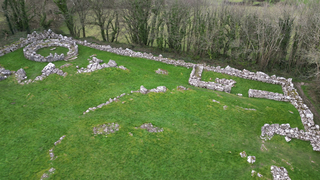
pixel 200 140
pixel 46 51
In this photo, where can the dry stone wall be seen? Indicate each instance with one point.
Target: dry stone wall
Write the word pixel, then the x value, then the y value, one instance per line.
pixel 220 84
pixel 268 95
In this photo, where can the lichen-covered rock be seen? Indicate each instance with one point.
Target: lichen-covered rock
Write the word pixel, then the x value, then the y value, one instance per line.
pixel 251 159
pixel 21 75
pixel 143 90
pixel 112 63
pixel 243 154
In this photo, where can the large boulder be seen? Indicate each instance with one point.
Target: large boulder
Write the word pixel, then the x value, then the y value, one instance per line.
pixel 112 63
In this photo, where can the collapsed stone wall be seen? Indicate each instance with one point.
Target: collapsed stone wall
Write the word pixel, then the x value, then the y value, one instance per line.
pixel 268 95
pixel 268 131
pixel 220 84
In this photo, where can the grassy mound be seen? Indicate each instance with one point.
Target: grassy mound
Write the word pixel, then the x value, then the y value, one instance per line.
pixel 200 140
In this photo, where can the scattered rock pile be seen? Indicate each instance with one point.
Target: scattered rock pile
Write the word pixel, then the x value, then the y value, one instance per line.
pixel 268 95
pixel 151 128
pixel 104 104
pixel 279 173
pixel 46 71
pixel 162 71
pixel 52 157
pixel 144 90
pixel 267 132
pixel 48 174
pixel 95 64
pixel 106 129
pixel 195 80
pixel 51 69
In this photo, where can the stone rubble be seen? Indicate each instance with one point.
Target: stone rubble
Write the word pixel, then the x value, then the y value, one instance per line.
pixel 144 90
pixel 219 84
pixel 279 173
pixel 104 104
pixel 47 174
pixel 162 71
pixel 151 128
pixel 95 64
pixel 106 129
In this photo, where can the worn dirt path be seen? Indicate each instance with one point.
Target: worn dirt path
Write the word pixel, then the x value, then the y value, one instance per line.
pixel 316 115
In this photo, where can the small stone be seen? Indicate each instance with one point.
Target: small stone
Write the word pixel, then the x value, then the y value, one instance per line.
pixel 251 159
pixel 253 172
pixel 243 154
pixel 287 139
pixel 143 90
pixel 181 88
pixel 225 107
pixel 216 101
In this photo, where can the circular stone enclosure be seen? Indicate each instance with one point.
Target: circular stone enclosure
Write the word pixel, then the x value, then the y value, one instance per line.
pixel 30 51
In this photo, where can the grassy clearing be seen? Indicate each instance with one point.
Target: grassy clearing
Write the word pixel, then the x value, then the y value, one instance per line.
pixel 46 51
pixel 200 139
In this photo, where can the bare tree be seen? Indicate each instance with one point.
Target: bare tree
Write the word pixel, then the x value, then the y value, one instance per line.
pixel 101 12
pixel 82 8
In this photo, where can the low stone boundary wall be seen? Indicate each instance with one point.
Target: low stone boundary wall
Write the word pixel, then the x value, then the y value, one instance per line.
pixel 268 95
pixel 267 132
pixel 220 84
